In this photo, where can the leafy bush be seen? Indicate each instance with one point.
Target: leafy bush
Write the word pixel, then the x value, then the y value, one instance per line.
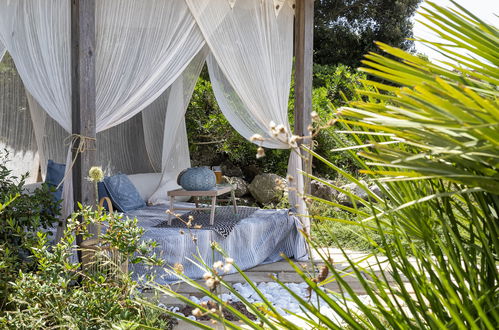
pixel 60 294
pixel 212 140
pixel 23 214
pixel 326 233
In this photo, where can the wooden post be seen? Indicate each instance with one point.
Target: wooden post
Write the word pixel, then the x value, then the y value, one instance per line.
pixel 83 97
pixel 303 48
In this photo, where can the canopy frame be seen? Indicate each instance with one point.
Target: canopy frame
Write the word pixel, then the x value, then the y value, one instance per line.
pixel 84 91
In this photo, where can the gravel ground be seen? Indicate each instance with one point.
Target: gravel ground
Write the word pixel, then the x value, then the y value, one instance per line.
pixel 283 301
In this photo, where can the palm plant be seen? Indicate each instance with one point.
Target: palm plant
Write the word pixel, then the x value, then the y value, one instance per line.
pixel 428 135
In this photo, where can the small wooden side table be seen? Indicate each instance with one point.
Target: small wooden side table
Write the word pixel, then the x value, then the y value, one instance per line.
pixel 213 193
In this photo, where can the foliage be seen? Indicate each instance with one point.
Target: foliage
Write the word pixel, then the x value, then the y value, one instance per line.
pixel 333 86
pixel 327 233
pixel 124 235
pixel 21 216
pixel 436 152
pixel 212 140
pixel 60 294
pixel 433 150
pixel 346 30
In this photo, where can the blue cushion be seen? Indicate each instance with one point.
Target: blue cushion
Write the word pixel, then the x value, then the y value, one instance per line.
pixel 55 175
pixel 123 193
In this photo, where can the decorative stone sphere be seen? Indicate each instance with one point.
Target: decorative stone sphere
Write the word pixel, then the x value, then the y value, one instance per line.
pixel 197 178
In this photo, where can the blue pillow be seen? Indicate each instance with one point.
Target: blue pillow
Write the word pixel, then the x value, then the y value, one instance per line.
pixel 55 175
pixel 123 193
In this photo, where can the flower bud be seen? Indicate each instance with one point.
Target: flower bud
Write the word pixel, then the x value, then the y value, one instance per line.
pixel 96 174
pixel 260 152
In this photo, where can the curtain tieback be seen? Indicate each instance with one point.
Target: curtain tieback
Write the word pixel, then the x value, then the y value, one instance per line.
pixel 78 144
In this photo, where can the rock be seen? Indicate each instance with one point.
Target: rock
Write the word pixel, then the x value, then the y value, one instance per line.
pixel 241 186
pixel 321 190
pixel 251 171
pixel 267 188
pixel 231 170
pixel 354 189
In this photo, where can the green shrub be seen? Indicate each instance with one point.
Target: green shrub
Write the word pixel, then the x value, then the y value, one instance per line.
pixel 59 294
pixel 212 139
pixel 22 216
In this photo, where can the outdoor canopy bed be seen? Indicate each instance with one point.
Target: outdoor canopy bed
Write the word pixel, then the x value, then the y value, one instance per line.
pixel 94 70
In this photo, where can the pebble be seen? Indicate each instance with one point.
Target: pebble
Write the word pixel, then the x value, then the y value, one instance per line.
pixel 282 300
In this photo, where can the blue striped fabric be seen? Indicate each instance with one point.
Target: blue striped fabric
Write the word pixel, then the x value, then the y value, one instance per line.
pixel 258 239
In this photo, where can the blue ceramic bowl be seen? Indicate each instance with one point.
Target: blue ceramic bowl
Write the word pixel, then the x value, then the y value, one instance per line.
pixel 197 178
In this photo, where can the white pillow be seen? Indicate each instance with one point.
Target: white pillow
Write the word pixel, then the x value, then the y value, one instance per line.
pixel 146 183
pixel 160 196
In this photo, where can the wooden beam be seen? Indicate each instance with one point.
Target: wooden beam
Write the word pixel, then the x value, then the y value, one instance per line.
pixel 83 97
pixel 304 47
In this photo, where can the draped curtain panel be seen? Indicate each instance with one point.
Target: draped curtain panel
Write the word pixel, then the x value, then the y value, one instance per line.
pixel 175 147
pixel 251 62
pixel 250 66
pixel 141 49
pixel 16 129
pixel 153 50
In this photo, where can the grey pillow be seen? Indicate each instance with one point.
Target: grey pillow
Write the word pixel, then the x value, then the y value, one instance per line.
pixel 123 193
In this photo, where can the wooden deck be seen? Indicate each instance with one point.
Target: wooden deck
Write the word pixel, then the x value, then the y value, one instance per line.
pixel 284 272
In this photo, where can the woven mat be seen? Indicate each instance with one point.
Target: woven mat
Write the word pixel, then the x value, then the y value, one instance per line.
pixel 225 219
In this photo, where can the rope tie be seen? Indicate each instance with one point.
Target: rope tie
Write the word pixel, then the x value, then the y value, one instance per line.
pixel 79 144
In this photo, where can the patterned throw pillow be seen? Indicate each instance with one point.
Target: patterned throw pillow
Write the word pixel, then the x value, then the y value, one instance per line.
pixel 55 174
pixel 123 193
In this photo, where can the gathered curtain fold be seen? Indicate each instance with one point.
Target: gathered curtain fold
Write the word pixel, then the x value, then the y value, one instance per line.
pixel 174 143
pixel 250 63
pixel 250 68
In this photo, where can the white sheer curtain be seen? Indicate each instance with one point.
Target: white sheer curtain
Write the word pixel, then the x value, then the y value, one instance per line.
pixel 251 62
pixel 141 48
pixel 175 148
pixel 250 68
pixel 16 128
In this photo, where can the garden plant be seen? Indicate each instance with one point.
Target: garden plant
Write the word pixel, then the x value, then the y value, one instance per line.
pixel 43 285
pixel 427 134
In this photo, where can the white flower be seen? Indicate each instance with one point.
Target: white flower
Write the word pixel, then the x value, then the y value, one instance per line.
pixel 260 152
pixel 197 312
pixel 178 268
pixel 218 265
pixel 96 174
pixel 227 268
pixel 281 129
pixel 211 283
pixel 293 141
pixel 256 137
